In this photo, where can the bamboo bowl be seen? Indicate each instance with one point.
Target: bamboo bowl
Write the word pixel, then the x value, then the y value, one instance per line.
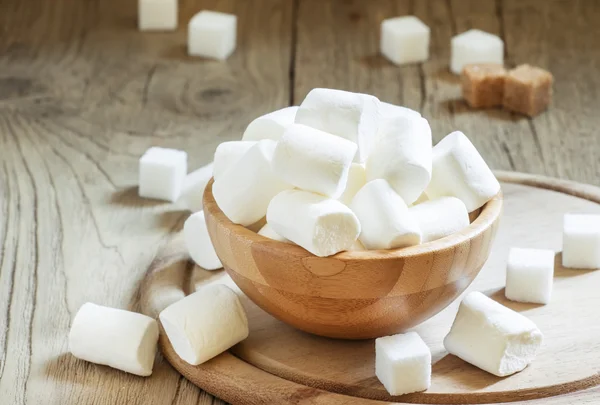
pixel 352 295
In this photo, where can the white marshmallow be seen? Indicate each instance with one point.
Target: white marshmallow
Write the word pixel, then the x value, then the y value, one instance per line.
pixel 114 337
pixel 492 337
pixel 384 217
pixel 243 192
pixel 321 225
pixel 357 246
pixel 440 217
pixel 194 185
pixel 270 126
pixel 529 275
pixel 353 116
pixel 460 171
pixel 581 241
pixel 268 232
pixel 314 160
pixel 198 243
pixel 157 14
pixel 162 173
pixel 357 177
pixel 212 34
pixel 475 46
pixel 205 323
pixel 404 40
pixel 422 198
pixel 402 156
pixel 228 154
pixel 389 111
pixel 403 363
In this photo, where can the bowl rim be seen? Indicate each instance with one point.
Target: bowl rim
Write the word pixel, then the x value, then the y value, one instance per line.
pixel 489 214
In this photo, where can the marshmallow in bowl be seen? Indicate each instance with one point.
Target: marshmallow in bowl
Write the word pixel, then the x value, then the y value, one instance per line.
pixel 313 160
pixel 243 192
pixel 402 156
pixel 271 125
pixel 228 154
pixel 353 116
pixel 460 171
pixel 384 217
pixel 440 217
pixel 321 225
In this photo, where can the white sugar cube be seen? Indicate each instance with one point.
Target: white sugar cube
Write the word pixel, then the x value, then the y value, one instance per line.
pixel 162 173
pixel 475 46
pixel 160 15
pixel 581 241
pixel 212 34
pixel 529 275
pixel 403 363
pixel 492 337
pixel 405 40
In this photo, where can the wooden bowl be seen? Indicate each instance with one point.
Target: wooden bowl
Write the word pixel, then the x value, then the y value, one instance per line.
pixel 352 295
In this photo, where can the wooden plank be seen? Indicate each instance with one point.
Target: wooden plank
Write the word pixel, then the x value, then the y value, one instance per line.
pixel 82 95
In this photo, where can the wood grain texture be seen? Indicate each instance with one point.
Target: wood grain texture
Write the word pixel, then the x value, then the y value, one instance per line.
pixel 83 94
pixel 352 295
pixel 566 363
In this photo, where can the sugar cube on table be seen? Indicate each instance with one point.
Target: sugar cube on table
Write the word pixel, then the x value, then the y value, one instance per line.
pixel 114 337
pixel 483 84
pixel 313 160
pixel 384 217
pixel 205 323
pixel 440 217
pixel 198 243
pixel 529 275
pixel 353 116
pixel 162 173
pixel 405 40
pixel 460 171
pixel 212 34
pixel 492 337
pixel 475 46
pixel 228 154
pixel 581 241
pixel 271 125
pixel 403 363
pixel 321 225
pixel 243 192
pixel 527 90
pixel 402 155
pixel 160 15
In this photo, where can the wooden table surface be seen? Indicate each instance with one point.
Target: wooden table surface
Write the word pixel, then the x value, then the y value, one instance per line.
pixel 83 94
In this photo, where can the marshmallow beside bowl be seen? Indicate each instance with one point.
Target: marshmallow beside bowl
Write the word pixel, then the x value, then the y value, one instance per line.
pixel 353 294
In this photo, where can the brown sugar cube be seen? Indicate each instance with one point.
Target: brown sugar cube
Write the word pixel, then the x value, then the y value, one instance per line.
pixel 527 90
pixel 483 84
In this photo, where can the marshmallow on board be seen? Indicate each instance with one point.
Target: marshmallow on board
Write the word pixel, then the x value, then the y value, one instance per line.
pixel 492 337
pixel 271 125
pixel 353 116
pixel 198 243
pixel 321 225
pixel 313 160
pixel 385 220
pixel 402 156
pixel 244 191
pixel 440 217
pixel 114 337
pixel 205 323
pixel 194 185
pixel 460 171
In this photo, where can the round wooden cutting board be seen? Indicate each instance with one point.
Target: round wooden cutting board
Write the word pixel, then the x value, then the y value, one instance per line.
pixel 280 365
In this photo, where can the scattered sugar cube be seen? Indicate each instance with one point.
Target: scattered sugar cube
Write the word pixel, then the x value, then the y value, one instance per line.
pixel 212 34
pixel 475 46
pixel 581 241
pixel 483 84
pixel 162 173
pixel 529 275
pixel 527 90
pixel 157 14
pixel 405 40
pixel 403 363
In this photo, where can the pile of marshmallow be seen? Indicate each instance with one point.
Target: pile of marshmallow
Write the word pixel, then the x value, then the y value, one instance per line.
pixel 344 171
